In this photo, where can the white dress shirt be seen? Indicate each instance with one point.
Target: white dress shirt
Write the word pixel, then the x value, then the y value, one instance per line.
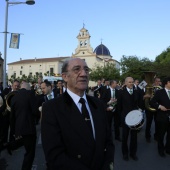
pixel 76 99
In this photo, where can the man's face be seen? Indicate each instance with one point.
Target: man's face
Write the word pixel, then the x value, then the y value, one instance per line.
pixel 45 89
pixel 15 86
pixel 157 82
pixel 136 82
pixel 114 84
pixel 129 82
pixel 59 84
pixel 77 76
pixel 107 83
pixel 98 82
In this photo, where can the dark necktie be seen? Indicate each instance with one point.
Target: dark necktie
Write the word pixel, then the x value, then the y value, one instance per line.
pixel 85 113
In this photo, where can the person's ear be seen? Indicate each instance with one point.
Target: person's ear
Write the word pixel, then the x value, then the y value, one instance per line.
pixel 64 76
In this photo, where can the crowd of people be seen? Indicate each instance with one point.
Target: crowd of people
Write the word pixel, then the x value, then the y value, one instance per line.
pixel 76 128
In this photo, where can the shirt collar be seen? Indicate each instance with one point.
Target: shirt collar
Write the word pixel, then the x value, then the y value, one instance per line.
pixel 129 89
pixel 75 97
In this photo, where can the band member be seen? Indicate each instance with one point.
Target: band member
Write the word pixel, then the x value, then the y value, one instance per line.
pixel 38 85
pixel 161 102
pixel 128 99
pixel 97 89
pixel 46 88
pixel 8 136
pixel 110 100
pixel 59 90
pixel 75 132
pixel 152 115
pixel 2 110
pixel 104 88
pixel 23 114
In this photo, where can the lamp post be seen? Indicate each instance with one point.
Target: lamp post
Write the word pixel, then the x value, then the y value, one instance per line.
pixel 28 2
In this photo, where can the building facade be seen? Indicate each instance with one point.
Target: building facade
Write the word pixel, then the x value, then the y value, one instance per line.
pixel 99 56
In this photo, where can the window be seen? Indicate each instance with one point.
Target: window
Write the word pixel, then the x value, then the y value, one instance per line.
pixel 30 74
pixel 14 74
pixel 51 71
pixel 21 67
pixel 20 72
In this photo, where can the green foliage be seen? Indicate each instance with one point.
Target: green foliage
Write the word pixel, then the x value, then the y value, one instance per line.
pixel 164 57
pixel 134 67
pixel 108 72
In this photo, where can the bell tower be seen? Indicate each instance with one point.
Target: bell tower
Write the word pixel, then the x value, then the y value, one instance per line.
pixel 84 48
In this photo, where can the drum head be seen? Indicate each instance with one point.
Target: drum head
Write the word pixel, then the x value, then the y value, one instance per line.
pixel 133 118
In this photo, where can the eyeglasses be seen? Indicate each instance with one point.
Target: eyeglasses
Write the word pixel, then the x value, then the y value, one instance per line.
pixel 78 69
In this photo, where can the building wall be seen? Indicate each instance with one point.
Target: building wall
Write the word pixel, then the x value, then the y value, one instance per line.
pixel 27 68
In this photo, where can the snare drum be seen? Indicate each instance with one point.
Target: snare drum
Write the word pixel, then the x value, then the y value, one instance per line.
pixel 134 119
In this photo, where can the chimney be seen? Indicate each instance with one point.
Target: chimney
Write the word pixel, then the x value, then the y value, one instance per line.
pixel 35 58
pixel 20 59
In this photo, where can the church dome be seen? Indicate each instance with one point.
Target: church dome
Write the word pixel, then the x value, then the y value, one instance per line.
pixel 102 50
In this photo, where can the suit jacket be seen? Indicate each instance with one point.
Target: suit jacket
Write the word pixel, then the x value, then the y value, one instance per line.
pixel 127 102
pixel 161 98
pixel 67 141
pixel 107 95
pixel 102 91
pixel 23 112
pixel 96 91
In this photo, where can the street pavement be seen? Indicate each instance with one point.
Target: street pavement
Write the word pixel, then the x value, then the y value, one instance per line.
pixel 147 154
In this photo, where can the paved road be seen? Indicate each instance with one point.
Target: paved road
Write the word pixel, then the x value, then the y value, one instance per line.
pixel 147 154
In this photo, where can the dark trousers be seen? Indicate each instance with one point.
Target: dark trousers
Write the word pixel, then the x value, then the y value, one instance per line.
pixel 133 140
pixel 30 145
pixel 149 118
pixel 163 128
pixel 116 120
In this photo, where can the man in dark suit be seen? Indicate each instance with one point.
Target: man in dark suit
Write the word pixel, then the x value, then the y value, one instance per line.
pixel 104 88
pixel 128 99
pixel 75 132
pixel 150 115
pixel 59 89
pixel 110 100
pixel 2 110
pixel 161 102
pixel 97 89
pixel 23 116
pixel 46 88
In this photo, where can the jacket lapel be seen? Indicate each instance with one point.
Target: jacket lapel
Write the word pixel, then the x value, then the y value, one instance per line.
pixel 76 120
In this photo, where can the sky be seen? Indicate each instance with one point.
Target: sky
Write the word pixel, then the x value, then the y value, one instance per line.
pixel 49 28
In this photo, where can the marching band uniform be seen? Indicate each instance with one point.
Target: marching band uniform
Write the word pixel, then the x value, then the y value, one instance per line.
pixel 127 102
pixel 162 98
pixel 112 93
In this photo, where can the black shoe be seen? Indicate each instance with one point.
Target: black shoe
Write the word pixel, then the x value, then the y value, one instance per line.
pixel 134 157
pixel 162 154
pixel 118 139
pixel 148 140
pixel 125 157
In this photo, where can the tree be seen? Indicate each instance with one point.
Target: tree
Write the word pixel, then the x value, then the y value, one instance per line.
pixel 164 57
pixel 134 67
pixel 108 72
